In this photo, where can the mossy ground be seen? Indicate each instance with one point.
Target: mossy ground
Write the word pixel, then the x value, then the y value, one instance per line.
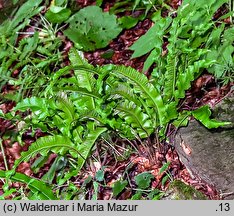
pixel 180 191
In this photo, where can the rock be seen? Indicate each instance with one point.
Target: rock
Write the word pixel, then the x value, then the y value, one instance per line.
pixel 180 191
pixel 209 154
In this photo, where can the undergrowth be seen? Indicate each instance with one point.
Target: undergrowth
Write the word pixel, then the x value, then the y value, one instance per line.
pixel 76 104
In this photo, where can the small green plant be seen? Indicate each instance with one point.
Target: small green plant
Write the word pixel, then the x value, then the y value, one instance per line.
pixel 143 180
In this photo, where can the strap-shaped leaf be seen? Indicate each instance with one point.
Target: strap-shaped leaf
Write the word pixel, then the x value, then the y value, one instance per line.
pixel 144 87
pixel 85 147
pixel 57 144
pixel 36 186
pixel 203 114
pixel 134 116
pixel 183 82
pixel 82 91
pixel 124 91
pixel 84 78
pixel 170 78
pixel 67 107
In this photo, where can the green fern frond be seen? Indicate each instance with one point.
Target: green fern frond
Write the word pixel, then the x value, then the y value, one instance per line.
pixel 134 116
pixel 84 78
pixel 144 88
pixel 184 80
pixel 38 105
pixel 57 144
pixel 36 186
pixel 82 91
pixel 85 147
pixel 92 115
pixel 170 78
pixel 76 57
pixel 67 107
pixel 125 92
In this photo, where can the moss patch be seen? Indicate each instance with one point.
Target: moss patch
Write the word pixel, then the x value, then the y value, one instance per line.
pixel 180 191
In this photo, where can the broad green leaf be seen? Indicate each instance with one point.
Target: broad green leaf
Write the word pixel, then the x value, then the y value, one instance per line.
pixel 137 196
pixel 143 180
pixel 91 28
pixel 119 186
pixel 57 14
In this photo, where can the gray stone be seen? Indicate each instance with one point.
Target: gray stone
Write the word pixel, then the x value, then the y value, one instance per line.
pixel 209 154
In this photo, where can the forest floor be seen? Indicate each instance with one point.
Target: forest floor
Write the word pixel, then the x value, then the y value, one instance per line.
pixel 144 157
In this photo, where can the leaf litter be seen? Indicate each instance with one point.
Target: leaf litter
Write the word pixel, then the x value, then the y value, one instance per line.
pixel 204 91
